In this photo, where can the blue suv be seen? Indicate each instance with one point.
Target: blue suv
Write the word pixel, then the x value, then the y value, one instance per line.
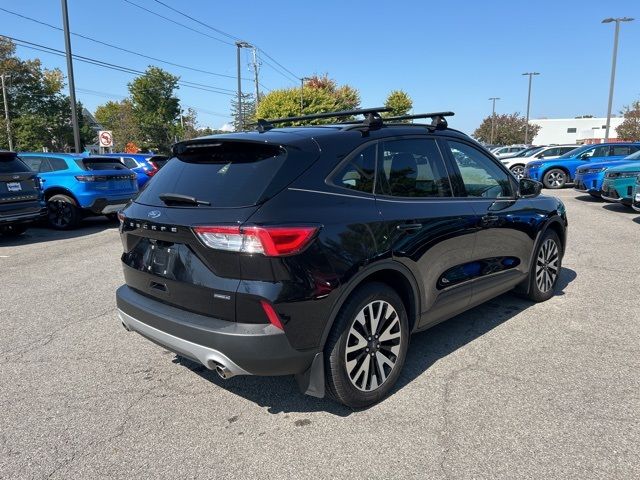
pixel 138 163
pixel 589 178
pixel 556 173
pixel 76 186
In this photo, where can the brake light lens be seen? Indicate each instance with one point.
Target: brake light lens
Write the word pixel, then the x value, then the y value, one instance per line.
pixel 104 178
pixel 273 317
pixel 268 241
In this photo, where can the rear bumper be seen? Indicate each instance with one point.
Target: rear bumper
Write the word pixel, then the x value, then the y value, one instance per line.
pixel 244 349
pixel 104 206
pixel 23 217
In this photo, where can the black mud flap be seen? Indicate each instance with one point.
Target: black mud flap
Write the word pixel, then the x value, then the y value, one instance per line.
pixel 311 382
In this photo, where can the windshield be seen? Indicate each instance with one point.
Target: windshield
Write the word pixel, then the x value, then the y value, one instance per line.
pixel 576 151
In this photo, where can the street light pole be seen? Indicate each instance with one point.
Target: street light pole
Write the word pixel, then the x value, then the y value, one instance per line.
pixel 526 127
pixel 240 45
pixel 72 86
pixel 6 112
pixel 613 68
pixel 493 117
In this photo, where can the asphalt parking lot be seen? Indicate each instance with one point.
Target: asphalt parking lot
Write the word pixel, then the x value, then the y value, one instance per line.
pixel 508 390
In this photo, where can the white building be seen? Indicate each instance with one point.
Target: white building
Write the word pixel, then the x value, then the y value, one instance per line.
pixel 574 130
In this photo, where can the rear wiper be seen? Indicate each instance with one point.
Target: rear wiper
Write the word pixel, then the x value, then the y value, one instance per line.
pixel 178 198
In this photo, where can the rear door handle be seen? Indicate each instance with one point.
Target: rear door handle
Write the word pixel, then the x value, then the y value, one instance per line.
pixel 409 227
pixel 489 219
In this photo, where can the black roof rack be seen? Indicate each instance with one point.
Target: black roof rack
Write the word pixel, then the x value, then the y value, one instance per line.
pixel 372 117
pixel 438 120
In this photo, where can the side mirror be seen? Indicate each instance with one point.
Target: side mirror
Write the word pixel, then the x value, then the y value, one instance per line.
pixel 528 188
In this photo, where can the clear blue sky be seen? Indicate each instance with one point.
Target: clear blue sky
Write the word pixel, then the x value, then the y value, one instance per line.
pixel 447 55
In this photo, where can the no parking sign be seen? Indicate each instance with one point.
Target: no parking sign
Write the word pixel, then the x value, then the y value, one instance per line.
pixel 105 138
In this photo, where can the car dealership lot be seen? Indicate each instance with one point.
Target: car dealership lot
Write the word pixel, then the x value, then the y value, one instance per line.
pixel 509 389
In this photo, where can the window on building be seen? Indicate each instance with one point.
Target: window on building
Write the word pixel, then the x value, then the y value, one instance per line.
pixel 572 130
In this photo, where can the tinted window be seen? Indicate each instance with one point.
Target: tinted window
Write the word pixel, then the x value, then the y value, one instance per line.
pixel 572 130
pixel 57 164
pixel 101 164
pixel 480 175
pixel 129 162
pixel 622 150
pixel 11 164
pixel 413 168
pixel 601 151
pixel 37 164
pixel 359 173
pixel 226 174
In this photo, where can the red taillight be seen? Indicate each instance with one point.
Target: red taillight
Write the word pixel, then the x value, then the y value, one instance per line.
pixel 273 317
pixel 153 170
pixel 269 241
pixel 121 217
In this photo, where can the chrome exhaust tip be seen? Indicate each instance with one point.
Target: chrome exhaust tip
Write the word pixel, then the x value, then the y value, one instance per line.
pixel 223 372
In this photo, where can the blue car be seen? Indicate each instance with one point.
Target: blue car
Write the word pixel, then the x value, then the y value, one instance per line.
pixel 76 186
pixel 556 173
pixel 138 163
pixel 589 178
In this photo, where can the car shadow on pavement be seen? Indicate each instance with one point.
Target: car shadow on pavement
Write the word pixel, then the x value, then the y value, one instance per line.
pixel 618 207
pixel 281 394
pixel 589 198
pixel 41 233
pixel 637 220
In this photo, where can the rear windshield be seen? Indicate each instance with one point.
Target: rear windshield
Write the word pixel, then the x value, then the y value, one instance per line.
pixel 101 164
pixel 226 174
pixel 12 165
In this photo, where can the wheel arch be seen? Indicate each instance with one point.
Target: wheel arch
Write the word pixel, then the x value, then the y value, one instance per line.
pixel 557 167
pixel 50 192
pixel 391 273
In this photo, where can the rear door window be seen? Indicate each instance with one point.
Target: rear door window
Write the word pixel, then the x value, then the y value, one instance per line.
pixel 623 150
pixel 57 164
pixel 225 174
pixel 413 168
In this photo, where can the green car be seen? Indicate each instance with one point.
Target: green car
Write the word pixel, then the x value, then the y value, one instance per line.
pixel 636 195
pixel 619 182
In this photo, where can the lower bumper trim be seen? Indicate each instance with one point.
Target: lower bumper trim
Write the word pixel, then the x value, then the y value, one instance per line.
pixel 208 357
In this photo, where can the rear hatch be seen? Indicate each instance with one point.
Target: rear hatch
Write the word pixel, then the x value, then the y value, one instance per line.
pixel 19 192
pixel 107 176
pixel 221 183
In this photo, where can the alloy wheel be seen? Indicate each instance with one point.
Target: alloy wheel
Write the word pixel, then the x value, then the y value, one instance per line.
pixel 518 171
pixel 547 265
pixel 59 213
pixel 373 345
pixel 556 179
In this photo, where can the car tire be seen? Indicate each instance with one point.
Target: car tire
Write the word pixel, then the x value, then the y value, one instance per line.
pixel 546 265
pixel 595 195
pixel 518 171
pixel 361 374
pixel 14 230
pixel 63 213
pixel 555 179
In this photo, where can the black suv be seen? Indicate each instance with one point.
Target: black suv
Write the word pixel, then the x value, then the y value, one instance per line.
pixel 21 201
pixel 318 250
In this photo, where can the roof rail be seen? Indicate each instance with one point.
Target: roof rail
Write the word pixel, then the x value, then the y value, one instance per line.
pixel 438 120
pixel 372 117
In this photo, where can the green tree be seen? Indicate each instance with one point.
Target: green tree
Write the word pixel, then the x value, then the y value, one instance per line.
pixel 40 113
pixel 629 129
pixel 189 127
pixel 320 94
pixel 155 107
pixel 248 112
pixel 509 129
pixel 118 117
pixel 399 102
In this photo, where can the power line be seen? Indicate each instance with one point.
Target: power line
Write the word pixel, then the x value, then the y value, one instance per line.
pixel 177 23
pixel 116 47
pixel 112 66
pixel 228 35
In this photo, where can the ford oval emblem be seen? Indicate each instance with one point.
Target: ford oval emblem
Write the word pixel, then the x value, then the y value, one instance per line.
pixel 154 214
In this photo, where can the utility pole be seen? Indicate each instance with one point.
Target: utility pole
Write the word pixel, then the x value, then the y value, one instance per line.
pixel 256 68
pixel 493 118
pixel 526 127
pixel 302 80
pixel 239 46
pixel 6 112
pixel 613 68
pixel 72 86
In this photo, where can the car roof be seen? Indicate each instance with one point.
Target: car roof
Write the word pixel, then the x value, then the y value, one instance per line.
pixel 55 155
